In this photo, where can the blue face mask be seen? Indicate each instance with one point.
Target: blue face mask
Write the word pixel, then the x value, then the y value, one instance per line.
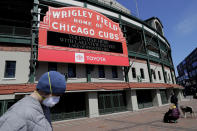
pixel 51 101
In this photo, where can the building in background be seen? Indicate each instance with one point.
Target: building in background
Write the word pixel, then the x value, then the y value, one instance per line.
pixel 187 71
pixel 112 60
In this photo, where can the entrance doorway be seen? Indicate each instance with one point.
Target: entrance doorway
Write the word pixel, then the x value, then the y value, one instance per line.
pixel 111 102
pixel 163 94
pixel 71 105
pixel 144 98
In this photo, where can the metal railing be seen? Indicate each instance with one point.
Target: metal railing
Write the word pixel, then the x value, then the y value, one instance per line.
pixel 112 110
pixel 65 116
pixel 145 105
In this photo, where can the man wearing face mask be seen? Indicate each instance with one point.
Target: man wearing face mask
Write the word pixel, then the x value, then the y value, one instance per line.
pixel 32 112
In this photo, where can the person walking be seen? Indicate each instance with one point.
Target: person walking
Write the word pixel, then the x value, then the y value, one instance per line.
pixel 174 99
pixel 32 113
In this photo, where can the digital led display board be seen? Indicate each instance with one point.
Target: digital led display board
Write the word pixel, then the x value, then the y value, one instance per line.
pixel 82 42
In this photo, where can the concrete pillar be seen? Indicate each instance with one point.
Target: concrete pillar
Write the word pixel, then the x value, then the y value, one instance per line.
pixel 156 97
pixel 92 104
pixel 131 97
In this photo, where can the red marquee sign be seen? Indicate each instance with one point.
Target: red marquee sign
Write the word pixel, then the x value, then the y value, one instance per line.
pixel 81 35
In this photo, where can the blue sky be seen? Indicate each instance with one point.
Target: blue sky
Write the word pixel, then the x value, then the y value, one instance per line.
pixel 179 18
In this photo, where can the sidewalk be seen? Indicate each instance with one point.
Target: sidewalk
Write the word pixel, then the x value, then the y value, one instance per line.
pixel 143 120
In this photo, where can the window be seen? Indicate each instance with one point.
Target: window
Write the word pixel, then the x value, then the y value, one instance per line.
pixel 142 73
pixel 169 77
pixel 159 75
pixel 165 75
pixel 135 41
pixel 114 72
pixel 1 106
pixel 89 68
pixel 101 71
pixel 133 72
pixel 52 66
pixel 10 68
pixel 71 70
pixel 185 72
pixel 153 73
pixel 190 74
pixel 194 64
pixel 10 103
